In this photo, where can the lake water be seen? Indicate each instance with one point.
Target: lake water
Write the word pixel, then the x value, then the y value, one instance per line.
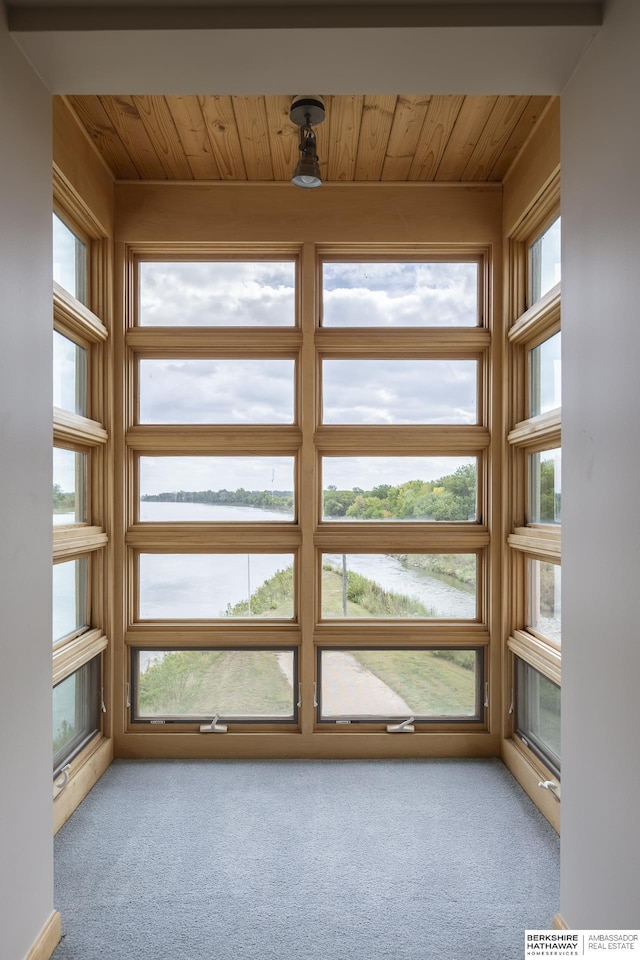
pixel 188 586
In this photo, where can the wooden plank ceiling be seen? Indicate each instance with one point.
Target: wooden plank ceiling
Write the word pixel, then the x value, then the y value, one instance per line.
pixel 443 138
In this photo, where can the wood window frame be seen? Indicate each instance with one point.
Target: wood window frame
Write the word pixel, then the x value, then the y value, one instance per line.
pixel 530 325
pixel 86 324
pixel 308 439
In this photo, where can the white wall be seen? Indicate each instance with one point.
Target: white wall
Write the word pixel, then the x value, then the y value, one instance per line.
pixel 26 894
pixel 601 447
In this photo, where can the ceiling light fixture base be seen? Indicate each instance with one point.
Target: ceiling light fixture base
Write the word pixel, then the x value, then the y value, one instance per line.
pixel 307 109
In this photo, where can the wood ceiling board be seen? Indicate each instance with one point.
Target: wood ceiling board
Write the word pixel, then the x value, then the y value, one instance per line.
pixel 194 137
pixel 530 116
pixel 126 120
pixel 405 135
pixel 377 117
pixel 436 130
pixel 253 131
pixel 96 122
pixel 283 137
pixel 223 134
pixel 493 139
pixel 161 130
pixel 474 113
pixel 344 129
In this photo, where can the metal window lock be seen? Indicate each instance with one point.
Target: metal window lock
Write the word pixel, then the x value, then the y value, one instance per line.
pixel 405 727
pixel 214 726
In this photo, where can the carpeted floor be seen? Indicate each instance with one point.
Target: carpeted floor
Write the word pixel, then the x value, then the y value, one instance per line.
pixel 304 860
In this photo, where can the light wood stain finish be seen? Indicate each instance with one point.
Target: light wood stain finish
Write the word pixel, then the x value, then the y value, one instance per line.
pixel 368 138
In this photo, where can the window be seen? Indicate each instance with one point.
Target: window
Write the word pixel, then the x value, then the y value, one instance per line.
pixel 534 639
pixel 394 293
pixel 411 489
pixel 69 486
pixel 69 375
pixel 246 391
pixel 428 685
pixel 413 586
pixel 545 599
pixel 80 574
pixel 545 376
pixel 293 481
pixel 76 713
pixel 544 262
pixel 538 714
pixel 225 489
pixel 545 492
pixel 208 586
pixel 239 685
pixel 399 391
pixel 223 293
pixel 69 260
pixel 70 601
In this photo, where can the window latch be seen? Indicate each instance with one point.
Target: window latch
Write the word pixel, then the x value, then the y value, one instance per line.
pixel 315 694
pixel 486 694
pixel 551 786
pixel 299 702
pixel 127 695
pixel 214 726
pixel 510 711
pixel 405 727
pixel 102 703
pixel 64 773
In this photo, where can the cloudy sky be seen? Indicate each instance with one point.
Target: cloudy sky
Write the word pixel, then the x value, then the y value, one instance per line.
pixel 221 294
pixel 400 294
pixel 65 247
pixel 399 391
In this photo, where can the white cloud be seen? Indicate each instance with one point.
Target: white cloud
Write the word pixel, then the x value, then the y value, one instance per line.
pixel 217 293
pixel 393 294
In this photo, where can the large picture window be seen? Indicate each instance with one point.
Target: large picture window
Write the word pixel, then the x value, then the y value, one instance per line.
pixel 293 480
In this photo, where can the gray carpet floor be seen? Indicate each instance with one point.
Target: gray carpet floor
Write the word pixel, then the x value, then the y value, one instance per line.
pixel 304 860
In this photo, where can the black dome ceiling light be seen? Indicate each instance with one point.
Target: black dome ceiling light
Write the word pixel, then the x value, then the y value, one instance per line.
pixel 307 112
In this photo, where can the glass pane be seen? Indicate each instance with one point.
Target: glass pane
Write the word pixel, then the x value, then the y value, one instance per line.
pixel 69 375
pixel 395 294
pixel 399 488
pixel 198 684
pixel 240 489
pixel 399 391
pixel 399 586
pixel 538 713
pixel 545 598
pixel 76 712
pixel 217 293
pixel 69 486
pixel 545 494
pixel 69 597
pixel 205 586
pixel 545 373
pixel 217 391
pixel 544 262
pixel 400 683
pixel 69 260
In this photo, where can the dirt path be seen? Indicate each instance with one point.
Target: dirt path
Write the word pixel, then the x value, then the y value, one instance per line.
pixel 349 689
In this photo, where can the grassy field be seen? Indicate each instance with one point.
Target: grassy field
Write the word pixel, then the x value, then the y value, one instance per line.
pixel 199 683
pixel 428 683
